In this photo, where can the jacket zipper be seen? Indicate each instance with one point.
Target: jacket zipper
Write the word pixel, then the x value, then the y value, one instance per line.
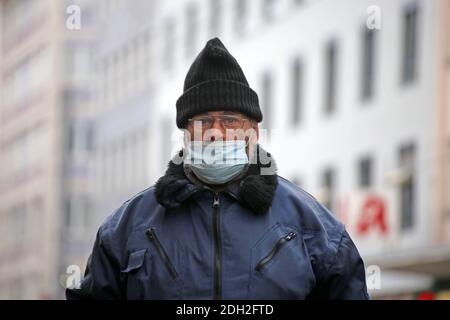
pixel 218 246
pixel 274 250
pixel 151 234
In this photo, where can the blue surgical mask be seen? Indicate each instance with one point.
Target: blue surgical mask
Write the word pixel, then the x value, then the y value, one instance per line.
pixel 216 162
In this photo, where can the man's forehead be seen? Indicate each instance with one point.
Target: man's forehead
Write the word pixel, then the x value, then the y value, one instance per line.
pixel 218 113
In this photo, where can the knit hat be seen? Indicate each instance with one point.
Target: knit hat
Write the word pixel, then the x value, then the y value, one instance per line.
pixel 215 82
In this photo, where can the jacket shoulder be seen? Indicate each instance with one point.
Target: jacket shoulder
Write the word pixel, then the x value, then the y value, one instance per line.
pixel 314 215
pixel 131 213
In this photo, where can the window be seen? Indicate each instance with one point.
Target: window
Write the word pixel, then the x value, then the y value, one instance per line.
pixel 191 30
pixel 297 90
pixel 240 16
pixel 142 65
pixel 3 229
pixel 21 155
pixel 266 101
pixel 138 148
pixel 116 69
pixel 68 213
pixel 409 50
pixel 104 167
pixel 115 166
pixel 120 173
pixel 78 61
pixel 132 155
pixel 368 62
pixel 143 174
pixel 215 17
pixel 89 135
pixel 25 153
pixel 365 168
pixel 23 84
pixel 127 161
pixel 131 60
pixel 330 76
pixel 448 178
pixel 109 77
pixel 37 210
pixel 169 39
pixel 102 84
pixel 109 170
pixel 328 182
pixel 270 9
pixel 407 186
pixel 78 210
pixel 125 61
pixel 166 141
pixel 19 229
pixel 87 15
pixel 81 135
pixel 74 97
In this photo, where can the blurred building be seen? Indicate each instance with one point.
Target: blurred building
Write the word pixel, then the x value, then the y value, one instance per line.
pixel 124 53
pixel 46 145
pixel 355 100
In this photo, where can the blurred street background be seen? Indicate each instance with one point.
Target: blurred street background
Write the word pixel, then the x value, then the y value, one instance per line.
pixel 355 96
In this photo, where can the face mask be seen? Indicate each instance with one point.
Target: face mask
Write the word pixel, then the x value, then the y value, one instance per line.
pixel 216 162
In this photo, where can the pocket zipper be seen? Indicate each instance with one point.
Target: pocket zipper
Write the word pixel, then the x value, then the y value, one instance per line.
pixel 151 234
pixel 274 250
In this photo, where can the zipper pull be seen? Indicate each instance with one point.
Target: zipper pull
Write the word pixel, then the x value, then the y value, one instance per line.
pixel 149 233
pixel 216 203
pixel 290 235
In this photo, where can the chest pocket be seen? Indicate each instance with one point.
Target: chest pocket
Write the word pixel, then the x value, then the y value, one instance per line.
pixel 280 266
pixel 152 273
pixel 137 274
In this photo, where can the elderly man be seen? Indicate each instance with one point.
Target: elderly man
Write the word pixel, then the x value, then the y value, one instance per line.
pixel 220 223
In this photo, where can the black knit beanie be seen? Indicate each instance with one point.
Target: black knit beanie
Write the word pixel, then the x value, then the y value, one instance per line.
pixel 215 82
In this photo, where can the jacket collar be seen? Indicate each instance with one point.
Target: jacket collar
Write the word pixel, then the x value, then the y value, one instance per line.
pixel 254 190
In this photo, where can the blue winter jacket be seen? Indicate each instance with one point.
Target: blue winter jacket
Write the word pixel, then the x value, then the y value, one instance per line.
pixel 264 238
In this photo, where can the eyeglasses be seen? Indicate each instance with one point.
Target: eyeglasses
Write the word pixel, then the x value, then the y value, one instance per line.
pixel 226 121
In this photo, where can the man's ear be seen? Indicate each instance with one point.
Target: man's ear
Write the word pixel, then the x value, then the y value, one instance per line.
pixel 187 136
pixel 256 128
pixel 253 142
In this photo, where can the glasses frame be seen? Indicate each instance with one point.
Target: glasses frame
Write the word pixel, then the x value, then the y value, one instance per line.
pixel 221 119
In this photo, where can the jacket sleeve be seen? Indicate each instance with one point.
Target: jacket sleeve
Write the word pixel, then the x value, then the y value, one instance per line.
pixel 345 278
pixel 102 275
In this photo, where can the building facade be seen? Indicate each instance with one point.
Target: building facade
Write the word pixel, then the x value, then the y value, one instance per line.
pixel 355 102
pixel 123 109
pixel 46 144
pixel 356 111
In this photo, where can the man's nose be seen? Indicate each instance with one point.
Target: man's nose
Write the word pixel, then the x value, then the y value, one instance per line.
pixel 216 124
pixel 218 130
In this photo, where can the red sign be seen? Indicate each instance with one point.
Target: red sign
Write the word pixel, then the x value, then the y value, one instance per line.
pixel 373 216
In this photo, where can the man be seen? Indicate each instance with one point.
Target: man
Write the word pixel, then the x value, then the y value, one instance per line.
pixel 221 224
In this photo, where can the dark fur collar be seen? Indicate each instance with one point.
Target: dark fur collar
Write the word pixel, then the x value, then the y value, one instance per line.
pixel 256 190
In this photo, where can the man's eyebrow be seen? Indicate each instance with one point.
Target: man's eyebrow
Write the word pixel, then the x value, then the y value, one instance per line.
pixel 220 112
pixel 232 113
